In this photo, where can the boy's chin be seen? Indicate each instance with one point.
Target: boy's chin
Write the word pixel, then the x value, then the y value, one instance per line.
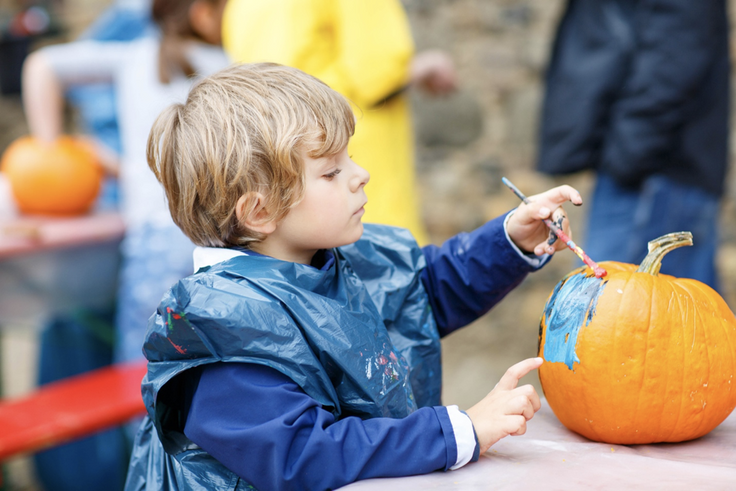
pixel 353 237
pixel 358 234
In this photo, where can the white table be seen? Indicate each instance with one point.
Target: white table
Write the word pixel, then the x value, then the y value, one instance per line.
pixel 550 457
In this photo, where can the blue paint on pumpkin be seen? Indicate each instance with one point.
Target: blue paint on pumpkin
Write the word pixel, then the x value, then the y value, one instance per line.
pixel 572 303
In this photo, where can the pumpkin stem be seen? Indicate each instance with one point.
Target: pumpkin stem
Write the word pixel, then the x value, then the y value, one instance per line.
pixel 661 246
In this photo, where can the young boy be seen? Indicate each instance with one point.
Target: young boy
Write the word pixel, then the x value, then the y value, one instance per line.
pixel 305 352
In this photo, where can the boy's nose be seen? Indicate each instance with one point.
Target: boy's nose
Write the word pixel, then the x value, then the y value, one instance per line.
pixel 360 178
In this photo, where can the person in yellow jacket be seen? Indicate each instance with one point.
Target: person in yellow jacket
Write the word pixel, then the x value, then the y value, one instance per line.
pixel 364 50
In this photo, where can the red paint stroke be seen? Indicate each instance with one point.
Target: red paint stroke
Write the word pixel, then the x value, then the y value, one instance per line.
pixel 178 348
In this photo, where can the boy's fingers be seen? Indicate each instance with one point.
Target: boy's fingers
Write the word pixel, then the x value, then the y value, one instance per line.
pixel 542 210
pixel 526 408
pixel 526 403
pixel 535 401
pixel 562 194
pixel 558 216
pixel 546 248
pixel 520 431
pixel 511 378
pixel 518 426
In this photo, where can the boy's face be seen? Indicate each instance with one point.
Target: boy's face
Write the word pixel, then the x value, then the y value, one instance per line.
pixel 328 216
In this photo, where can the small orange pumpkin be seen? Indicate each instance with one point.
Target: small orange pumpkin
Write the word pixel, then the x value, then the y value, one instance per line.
pixel 59 178
pixel 636 356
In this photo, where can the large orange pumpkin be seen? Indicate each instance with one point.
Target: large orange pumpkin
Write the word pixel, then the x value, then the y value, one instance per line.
pixel 60 178
pixel 638 356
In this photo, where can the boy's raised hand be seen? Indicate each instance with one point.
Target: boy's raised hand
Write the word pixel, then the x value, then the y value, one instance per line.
pixel 507 408
pixel 526 226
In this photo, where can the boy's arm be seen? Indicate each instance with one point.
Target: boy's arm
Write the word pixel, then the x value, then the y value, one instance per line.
pixel 263 427
pixel 472 272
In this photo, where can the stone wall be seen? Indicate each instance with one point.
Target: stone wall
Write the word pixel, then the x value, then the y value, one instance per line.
pixel 465 143
pixel 501 49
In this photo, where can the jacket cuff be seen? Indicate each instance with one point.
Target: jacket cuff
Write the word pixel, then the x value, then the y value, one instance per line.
pixel 476 452
pixel 532 260
pixel 449 435
pixel 466 442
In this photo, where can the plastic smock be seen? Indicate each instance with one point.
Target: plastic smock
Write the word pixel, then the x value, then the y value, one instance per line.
pixel 359 338
pixel 363 50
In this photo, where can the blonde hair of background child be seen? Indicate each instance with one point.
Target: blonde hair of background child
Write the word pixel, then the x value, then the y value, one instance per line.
pixel 242 130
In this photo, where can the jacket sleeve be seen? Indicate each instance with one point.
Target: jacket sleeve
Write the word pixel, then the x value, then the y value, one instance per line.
pixel 677 43
pixel 376 48
pixel 470 273
pixel 263 427
pixel 362 48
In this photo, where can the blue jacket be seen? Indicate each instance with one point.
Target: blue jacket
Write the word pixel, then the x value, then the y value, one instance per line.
pixel 639 87
pixel 359 338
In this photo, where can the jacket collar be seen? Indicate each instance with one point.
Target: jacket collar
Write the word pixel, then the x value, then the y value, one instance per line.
pixel 209 256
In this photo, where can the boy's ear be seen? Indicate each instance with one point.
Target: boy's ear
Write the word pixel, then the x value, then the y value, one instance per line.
pixel 252 213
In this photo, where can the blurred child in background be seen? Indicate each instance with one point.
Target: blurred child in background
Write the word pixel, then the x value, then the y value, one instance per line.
pixel 146 74
pixel 149 74
pixel 81 338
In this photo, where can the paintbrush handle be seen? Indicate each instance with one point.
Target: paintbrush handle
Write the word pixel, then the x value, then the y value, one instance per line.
pixel 570 244
pixel 599 272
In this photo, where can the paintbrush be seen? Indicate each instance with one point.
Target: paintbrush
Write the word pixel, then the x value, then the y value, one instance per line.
pixel 599 271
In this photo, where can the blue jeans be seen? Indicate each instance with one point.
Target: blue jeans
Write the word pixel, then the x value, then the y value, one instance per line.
pixel 622 220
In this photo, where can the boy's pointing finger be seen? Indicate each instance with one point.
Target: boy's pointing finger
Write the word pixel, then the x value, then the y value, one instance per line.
pixel 511 378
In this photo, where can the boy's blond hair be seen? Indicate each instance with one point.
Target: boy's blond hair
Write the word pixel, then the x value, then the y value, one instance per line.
pixel 241 130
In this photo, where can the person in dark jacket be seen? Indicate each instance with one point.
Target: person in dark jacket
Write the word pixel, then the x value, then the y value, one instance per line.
pixel 304 353
pixel 639 91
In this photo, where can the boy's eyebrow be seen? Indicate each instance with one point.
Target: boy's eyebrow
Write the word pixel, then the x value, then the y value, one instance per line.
pixel 325 162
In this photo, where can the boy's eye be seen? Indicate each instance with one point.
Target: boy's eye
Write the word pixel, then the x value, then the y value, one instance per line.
pixel 332 174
